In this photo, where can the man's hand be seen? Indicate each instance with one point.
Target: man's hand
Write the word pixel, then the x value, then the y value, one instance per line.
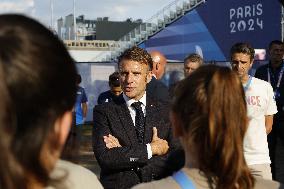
pixel 158 146
pixel 111 141
pixel 268 123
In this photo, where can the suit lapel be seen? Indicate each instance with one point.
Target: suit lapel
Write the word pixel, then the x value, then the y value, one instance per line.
pixel 150 120
pixel 126 120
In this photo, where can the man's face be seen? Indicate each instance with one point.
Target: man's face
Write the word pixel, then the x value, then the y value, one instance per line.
pixel 116 90
pixel 276 53
pixel 133 77
pixel 190 67
pixel 241 63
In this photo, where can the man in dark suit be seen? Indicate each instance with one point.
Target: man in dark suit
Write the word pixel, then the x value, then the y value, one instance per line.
pixel 190 64
pixel 114 89
pixel 156 88
pixel 273 73
pixel 132 136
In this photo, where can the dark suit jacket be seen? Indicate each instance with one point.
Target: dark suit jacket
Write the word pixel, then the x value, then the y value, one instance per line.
pixel 278 119
pixel 125 166
pixel 158 90
pixel 106 96
pixel 261 73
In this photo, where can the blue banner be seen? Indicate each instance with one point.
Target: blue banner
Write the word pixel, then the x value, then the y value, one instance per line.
pixel 213 27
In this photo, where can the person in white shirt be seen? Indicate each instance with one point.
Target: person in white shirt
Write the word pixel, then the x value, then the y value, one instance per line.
pixel 261 107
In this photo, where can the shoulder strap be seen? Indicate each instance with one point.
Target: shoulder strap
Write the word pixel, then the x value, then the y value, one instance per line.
pixel 183 180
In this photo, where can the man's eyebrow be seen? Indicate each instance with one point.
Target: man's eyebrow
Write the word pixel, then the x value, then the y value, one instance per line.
pixel 136 72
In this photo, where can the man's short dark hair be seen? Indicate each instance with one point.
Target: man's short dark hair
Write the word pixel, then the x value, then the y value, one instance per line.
pixel 244 48
pixel 193 57
pixel 113 80
pixel 275 42
pixel 137 54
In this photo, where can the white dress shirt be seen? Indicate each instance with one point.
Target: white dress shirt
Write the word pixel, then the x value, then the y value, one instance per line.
pixel 133 114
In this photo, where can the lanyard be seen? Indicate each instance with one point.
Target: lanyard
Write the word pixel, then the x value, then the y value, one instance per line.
pixel 279 77
pixel 248 84
pixel 183 180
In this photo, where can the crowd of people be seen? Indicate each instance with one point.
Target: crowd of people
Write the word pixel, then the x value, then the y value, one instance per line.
pixel 219 127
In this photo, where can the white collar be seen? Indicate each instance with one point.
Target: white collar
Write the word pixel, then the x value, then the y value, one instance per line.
pixel 129 101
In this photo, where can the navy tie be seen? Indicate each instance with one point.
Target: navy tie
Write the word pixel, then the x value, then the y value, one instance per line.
pixel 139 121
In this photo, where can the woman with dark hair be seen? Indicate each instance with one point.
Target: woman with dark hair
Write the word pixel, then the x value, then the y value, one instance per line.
pixel 40 79
pixel 209 115
pixel 10 169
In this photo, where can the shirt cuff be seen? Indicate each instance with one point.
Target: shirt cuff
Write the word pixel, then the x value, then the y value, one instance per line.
pixel 149 151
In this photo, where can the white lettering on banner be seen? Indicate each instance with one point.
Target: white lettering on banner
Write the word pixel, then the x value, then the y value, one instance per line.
pixel 246 18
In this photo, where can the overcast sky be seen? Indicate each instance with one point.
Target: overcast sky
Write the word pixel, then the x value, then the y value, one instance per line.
pixel 116 10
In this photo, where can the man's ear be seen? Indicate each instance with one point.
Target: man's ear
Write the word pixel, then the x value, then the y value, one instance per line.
pixel 157 66
pixel 176 125
pixel 62 127
pixel 251 63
